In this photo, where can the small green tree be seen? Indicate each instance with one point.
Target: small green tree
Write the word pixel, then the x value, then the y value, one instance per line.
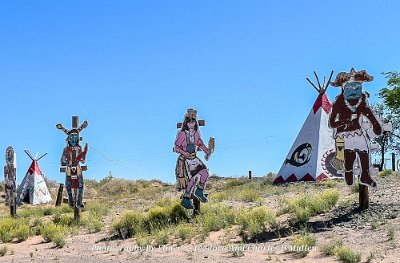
pixel 391 94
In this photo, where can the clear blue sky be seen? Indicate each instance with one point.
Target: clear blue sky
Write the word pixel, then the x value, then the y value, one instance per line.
pixel 132 68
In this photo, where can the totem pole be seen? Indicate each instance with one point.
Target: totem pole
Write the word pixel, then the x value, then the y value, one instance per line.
pixel 72 157
pixel 191 173
pixel 354 124
pixel 10 174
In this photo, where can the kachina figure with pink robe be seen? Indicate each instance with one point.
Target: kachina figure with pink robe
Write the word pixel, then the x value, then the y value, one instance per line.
pixel 191 172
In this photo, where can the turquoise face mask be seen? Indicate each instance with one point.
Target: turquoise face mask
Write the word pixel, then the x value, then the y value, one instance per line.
pixel 352 90
pixel 73 139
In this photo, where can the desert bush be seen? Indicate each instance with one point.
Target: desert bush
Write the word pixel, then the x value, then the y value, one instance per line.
pixel 184 231
pixel 130 224
pixel 217 216
pixel 307 205
pixel 346 255
pixel 36 225
pixel 303 243
pixel 142 240
pixel 64 220
pixel 54 233
pixel 236 182
pixel 255 221
pixel 118 187
pixel 3 251
pixel 161 237
pixel 22 233
pixel 269 178
pixel 338 249
pixel 8 227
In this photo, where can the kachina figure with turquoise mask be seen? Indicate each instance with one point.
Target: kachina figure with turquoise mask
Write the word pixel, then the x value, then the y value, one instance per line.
pixel 191 172
pixel 72 157
pixel 346 118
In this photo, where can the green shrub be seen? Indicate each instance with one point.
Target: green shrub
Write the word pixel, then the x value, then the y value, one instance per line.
pixel 161 237
pixel 346 255
pixel 255 221
pixel 54 233
pixel 307 205
pixel 3 251
pixel 36 225
pixel 130 224
pixel 343 253
pixel 236 182
pixel 64 219
pixel 184 231
pixel 8 227
pixel 217 216
pixel 303 243
pixel 22 233
pixel 59 239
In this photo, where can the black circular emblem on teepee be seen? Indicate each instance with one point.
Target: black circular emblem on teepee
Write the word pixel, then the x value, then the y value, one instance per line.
pixel 301 155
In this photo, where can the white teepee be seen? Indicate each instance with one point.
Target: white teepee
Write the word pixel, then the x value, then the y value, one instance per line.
pixel 310 157
pixel 33 188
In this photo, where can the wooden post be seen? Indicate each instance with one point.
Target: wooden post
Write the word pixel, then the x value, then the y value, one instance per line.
pixel 393 162
pixel 196 204
pixel 77 213
pixel 249 174
pixel 363 197
pixel 60 195
pixel 13 208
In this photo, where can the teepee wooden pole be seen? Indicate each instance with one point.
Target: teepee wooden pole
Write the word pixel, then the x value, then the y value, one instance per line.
pixel 59 195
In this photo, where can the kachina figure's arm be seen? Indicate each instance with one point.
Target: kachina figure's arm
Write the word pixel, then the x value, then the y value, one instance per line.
pixel 82 154
pixel 65 157
pixel 199 142
pixel 180 138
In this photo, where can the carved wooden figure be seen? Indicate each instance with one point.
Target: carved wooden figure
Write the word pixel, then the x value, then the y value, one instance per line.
pixel 71 159
pixel 10 174
pixel 191 172
pixel 355 124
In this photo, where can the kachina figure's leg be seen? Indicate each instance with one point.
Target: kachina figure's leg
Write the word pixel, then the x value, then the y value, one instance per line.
pixel 349 158
pixel 80 192
pixel 365 177
pixel 201 186
pixel 187 195
pixel 68 186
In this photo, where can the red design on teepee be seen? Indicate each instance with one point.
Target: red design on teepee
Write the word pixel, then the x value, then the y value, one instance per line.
pixel 279 180
pixel 34 168
pixel 307 177
pixel 322 177
pixel 322 101
pixel 291 179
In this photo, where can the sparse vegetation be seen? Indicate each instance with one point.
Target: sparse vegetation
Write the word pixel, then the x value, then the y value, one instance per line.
pixel 342 252
pixel 3 251
pixel 303 243
pixel 255 221
pixel 307 205
pixel 54 233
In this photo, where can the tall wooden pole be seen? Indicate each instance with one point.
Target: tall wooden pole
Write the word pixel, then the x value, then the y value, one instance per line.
pixel 250 175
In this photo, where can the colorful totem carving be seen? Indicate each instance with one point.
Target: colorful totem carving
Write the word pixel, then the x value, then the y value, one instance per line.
pixel 71 159
pixel 191 172
pixel 10 174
